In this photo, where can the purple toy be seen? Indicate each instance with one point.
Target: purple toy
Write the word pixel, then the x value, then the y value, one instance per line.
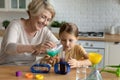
pixel 18 73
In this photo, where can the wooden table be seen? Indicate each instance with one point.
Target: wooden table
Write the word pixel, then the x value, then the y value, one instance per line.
pixel 8 73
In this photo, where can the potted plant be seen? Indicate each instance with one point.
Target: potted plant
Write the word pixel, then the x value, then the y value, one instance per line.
pixel 5 23
pixel 55 25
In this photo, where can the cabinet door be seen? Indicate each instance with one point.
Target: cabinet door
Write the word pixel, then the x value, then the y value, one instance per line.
pixel 22 4
pixel 14 5
pixel 18 4
pixel 114 54
pixel 3 5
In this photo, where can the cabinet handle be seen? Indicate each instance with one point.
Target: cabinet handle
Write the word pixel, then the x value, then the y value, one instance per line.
pixel 116 42
pixel 91 45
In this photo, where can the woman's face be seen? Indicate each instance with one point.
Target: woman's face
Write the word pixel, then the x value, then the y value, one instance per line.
pixel 41 20
pixel 68 40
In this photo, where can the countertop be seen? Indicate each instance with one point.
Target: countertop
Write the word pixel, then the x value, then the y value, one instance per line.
pixel 8 73
pixel 107 38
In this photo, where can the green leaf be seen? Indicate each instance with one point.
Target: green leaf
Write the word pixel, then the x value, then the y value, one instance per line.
pixel 56 23
pixel 5 23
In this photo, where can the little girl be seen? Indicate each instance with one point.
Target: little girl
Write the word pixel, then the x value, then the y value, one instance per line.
pixel 74 53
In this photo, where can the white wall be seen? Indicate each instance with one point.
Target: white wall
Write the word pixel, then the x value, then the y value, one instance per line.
pixel 89 15
pixel 11 15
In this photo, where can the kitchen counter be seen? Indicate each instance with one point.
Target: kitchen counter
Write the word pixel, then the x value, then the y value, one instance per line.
pixel 107 38
pixel 8 73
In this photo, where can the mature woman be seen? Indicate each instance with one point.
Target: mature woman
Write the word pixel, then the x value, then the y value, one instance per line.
pixel 24 39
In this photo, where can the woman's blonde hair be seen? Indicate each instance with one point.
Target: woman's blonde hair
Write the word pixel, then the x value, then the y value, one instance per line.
pixel 37 6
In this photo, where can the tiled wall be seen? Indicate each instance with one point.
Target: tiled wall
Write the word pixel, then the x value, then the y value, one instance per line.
pixel 89 15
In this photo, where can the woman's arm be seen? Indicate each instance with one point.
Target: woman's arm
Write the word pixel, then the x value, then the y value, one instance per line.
pixel 10 38
pixel 10 43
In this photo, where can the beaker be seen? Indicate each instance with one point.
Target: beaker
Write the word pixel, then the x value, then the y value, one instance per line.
pixel 54 51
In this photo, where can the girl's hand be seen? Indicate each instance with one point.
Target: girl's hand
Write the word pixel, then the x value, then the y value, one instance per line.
pixel 73 63
pixel 50 60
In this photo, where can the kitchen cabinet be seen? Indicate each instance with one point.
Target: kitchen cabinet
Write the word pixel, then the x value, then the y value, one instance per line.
pixel 3 5
pixel 113 56
pixel 94 46
pixel 14 5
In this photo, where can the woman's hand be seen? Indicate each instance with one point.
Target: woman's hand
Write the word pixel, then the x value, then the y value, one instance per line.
pixel 41 48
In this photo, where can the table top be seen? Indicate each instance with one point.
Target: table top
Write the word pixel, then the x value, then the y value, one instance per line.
pixel 8 73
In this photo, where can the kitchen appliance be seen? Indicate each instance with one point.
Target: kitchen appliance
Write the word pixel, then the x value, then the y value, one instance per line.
pixel 112 29
pixel 92 34
pixel 94 46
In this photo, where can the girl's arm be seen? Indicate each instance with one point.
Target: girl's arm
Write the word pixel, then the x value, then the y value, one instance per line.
pixel 79 63
pixel 82 58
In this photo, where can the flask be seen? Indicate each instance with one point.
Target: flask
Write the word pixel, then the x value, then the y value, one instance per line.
pixel 54 51
pixel 62 67
pixel 80 72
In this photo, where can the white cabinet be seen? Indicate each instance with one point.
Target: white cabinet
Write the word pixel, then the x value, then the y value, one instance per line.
pixel 3 5
pixel 14 5
pixel 95 46
pixel 113 53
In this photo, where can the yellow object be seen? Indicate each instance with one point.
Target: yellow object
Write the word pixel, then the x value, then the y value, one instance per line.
pixel 29 75
pixel 95 58
pixel 39 77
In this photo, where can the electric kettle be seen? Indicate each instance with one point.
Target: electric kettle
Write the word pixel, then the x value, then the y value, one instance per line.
pixel 112 30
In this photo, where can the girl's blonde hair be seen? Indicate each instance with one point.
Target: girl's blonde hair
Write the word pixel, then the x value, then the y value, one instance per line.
pixel 37 6
pixel 69 28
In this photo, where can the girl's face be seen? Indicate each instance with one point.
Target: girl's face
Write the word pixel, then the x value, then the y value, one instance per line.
pixel 42 20
pixel 68 40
